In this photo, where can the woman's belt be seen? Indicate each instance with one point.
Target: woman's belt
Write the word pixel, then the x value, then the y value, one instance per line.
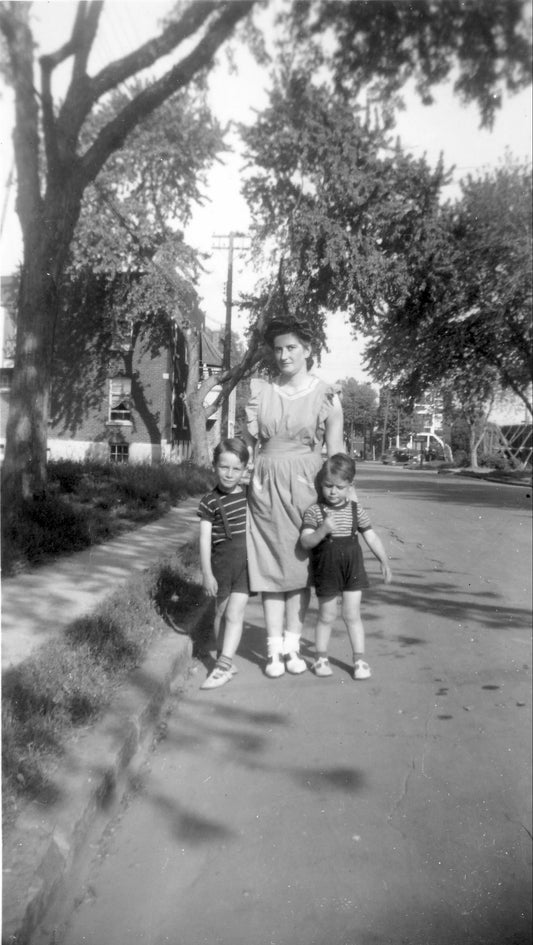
pixel 280 444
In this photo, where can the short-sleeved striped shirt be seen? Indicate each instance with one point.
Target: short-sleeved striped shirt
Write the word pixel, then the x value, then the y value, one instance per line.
pixel 234 505
pixel 341 517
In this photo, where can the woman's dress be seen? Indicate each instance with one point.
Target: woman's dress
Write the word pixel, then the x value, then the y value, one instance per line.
pixel 290 430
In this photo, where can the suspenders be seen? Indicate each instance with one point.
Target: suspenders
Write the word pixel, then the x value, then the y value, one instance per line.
pixel 354 518
pixel 223 515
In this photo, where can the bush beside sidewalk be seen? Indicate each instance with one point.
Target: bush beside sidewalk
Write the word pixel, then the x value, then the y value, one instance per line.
pixel 86 503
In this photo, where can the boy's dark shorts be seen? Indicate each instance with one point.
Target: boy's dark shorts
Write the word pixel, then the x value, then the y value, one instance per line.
pixel 230 567
pixel 337 565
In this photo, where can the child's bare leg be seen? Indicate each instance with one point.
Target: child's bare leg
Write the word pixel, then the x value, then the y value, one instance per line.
pixel 229 636
pixel 351 606
pixel 233 623
pixel 327 614
pixel 351 612
pixel 219 622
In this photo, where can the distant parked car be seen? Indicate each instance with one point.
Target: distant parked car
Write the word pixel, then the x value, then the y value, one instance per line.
pixel 397 457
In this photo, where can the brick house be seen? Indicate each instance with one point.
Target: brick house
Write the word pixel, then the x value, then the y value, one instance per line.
pixel 115 401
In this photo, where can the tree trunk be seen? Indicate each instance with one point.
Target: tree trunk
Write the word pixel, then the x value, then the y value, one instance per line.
pixel 200 452
pixel 24 472
pixel 194 402
pixel 47 234
pixel 473 445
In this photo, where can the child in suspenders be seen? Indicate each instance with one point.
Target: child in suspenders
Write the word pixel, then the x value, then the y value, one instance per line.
pixel 223 560
pixel 329 532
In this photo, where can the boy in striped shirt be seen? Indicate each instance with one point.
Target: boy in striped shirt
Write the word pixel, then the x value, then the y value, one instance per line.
pixel 222 514
pixel 329 532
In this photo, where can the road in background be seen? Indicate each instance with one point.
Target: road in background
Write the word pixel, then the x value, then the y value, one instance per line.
pixel 305 811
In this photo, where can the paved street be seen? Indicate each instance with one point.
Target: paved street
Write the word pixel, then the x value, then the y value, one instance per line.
pixel 305 811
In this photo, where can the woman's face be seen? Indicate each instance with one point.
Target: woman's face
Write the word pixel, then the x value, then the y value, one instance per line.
pixel 290 354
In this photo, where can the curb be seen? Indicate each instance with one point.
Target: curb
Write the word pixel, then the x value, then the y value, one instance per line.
pixel 41 853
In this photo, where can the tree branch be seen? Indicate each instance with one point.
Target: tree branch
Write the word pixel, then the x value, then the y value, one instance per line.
pixel 113 135
pixel 86 39
pixel 79 45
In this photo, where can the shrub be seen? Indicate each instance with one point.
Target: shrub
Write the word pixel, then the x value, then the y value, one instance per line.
pixel 91 502
pixel 43 527
pixel 67 473
pixel 460 458
pixel 499 461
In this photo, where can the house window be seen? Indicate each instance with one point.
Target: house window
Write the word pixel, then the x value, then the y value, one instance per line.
pixel 6 379
pixel 118 452
pixel 120 400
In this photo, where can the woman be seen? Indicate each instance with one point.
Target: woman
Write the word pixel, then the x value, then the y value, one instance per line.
pixel 290 418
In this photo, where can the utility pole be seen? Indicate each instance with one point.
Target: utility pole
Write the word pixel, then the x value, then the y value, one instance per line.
pixel 232 242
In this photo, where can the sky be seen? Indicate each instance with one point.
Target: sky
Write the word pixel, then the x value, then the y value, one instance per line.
pixel 445 127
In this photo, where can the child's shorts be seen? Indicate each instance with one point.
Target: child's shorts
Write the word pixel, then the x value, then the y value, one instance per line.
pixel 230 567
pixel 337 565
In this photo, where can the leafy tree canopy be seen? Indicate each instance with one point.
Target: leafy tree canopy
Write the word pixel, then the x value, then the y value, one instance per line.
pixel 339 201
pixel 359 404
pixel 466 318
pixel 378 46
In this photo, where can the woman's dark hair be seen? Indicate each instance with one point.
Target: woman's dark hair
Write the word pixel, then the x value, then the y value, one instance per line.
pixel 340 464
pixel 288 325
pixel 232 445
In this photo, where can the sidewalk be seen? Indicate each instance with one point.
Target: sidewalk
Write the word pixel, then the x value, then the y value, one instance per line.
pixel 40 853
pixel 38 605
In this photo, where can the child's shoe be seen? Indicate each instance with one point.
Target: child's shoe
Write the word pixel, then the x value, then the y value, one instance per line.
pixel 218 677
pixel 275 665
pixel 321 667
pixel 361 670
pixel 291 652
pixel 294 663
pixel 234 669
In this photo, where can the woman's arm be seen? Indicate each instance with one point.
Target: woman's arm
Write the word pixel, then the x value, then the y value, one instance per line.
pixel 209 580
pixel 335 428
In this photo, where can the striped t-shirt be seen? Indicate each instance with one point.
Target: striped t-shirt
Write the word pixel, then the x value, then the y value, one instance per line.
pixel 234 505
pixel 341 517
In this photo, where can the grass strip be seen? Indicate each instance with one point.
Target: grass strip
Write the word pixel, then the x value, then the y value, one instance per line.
pixel 67 683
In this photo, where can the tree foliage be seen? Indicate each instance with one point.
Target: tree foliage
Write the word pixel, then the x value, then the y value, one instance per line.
pixel 466 319
pixel 128 261
pixel 332 254
pixel 359 406
pixel 379 46
pixel 51 184
pixel 339 200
